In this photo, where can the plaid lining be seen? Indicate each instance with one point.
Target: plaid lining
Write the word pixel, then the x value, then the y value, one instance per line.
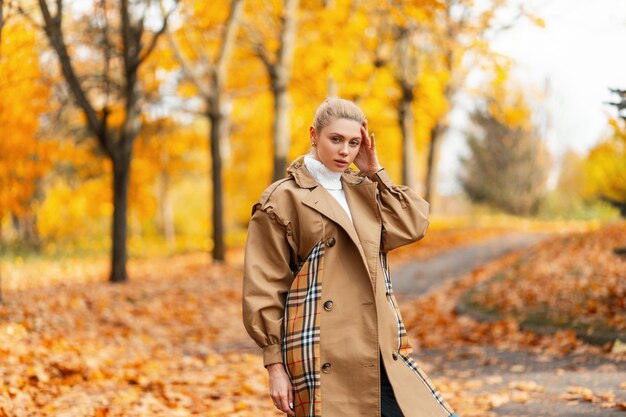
pixel 403 341
pixel 404 347
pixel 301 340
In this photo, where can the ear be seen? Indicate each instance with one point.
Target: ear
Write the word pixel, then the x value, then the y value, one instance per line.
pixel 312 133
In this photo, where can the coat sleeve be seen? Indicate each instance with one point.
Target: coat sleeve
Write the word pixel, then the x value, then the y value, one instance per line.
pixel 266 281
pixel 403 212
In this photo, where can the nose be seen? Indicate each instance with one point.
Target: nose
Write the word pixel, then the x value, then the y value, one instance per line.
pixel 343 151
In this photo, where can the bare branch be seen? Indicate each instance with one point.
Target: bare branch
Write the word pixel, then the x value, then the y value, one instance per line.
pixel 287 37
pixel 157 35
pixel 22 12
pixel 127 37
pixel 188 68
pixel 107 47
pixel 59 15
pixel 257 45
pixel 52 28
pixel 259 50
pixel 228 41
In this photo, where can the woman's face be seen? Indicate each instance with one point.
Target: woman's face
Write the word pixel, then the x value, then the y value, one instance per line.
pixel 337 144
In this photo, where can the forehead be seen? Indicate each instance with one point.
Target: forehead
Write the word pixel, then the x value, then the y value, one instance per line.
pixel 345 127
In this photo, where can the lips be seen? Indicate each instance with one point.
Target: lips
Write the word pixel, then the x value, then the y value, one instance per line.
pixel 341 162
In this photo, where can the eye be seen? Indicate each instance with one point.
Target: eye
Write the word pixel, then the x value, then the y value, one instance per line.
pixel 336 139
pixel 354 143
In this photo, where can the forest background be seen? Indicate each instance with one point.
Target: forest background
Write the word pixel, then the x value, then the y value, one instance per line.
pixel 221 99
pixel 135 136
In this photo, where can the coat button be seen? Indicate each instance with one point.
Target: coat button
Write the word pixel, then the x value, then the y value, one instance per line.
pixel 328 305
pixel 330 242
pixel 394 355
pixel 326 367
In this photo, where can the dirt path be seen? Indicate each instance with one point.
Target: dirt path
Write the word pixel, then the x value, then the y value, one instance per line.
pixel 416 278
pixel 553 375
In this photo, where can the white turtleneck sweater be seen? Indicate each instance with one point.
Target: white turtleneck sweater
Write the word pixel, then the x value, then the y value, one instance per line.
pixel 328 179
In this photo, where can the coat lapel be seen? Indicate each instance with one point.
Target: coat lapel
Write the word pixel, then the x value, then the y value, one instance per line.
pixel 320 200
pixel 361 197
pixel 362 202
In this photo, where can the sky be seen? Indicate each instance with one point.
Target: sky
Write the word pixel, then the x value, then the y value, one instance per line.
pixel 581 53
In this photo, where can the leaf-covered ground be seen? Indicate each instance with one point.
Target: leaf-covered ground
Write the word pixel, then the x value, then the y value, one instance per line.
pixel 494 355
pixel 171 343
pixel 576 280
pixel 149 347
pixel 21 273
pixel 444 235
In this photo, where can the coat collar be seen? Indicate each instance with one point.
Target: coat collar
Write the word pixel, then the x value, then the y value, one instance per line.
pixel 304 179
pixel 361 198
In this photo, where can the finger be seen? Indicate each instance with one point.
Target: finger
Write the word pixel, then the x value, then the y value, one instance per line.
pixel 364 136
pixel 278 404
pixel 276 401
pixel 284 403
pixel 290 398
pixel 373 141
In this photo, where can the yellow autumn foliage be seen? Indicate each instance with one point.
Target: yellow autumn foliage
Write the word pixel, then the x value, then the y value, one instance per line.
pixel 605 168
pixel 508 102
pixel 24 156
pixel 74 215
pixel 342 48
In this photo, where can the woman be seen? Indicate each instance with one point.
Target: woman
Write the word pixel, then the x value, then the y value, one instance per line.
pixel 317 295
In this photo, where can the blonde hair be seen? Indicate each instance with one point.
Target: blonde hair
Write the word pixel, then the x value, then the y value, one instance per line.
pixel 336 108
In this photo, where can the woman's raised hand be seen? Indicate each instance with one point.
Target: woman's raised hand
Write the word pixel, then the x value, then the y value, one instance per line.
pixel 367 159
pixel 281 389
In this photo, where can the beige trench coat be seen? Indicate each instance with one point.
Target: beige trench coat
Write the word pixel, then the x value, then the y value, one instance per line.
pixel 317 294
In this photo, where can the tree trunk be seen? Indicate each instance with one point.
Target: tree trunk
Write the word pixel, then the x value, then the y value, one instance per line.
pixel 1 23
pixel 133 50
pixel 280 131
pixel 24 229
pixel 215 117
pixel 27 230
pixel 435 135
pixel 280 75
pixel 121 178
pixel 166 210
pixel 407 126
pixel 1 298
pixel 1 29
